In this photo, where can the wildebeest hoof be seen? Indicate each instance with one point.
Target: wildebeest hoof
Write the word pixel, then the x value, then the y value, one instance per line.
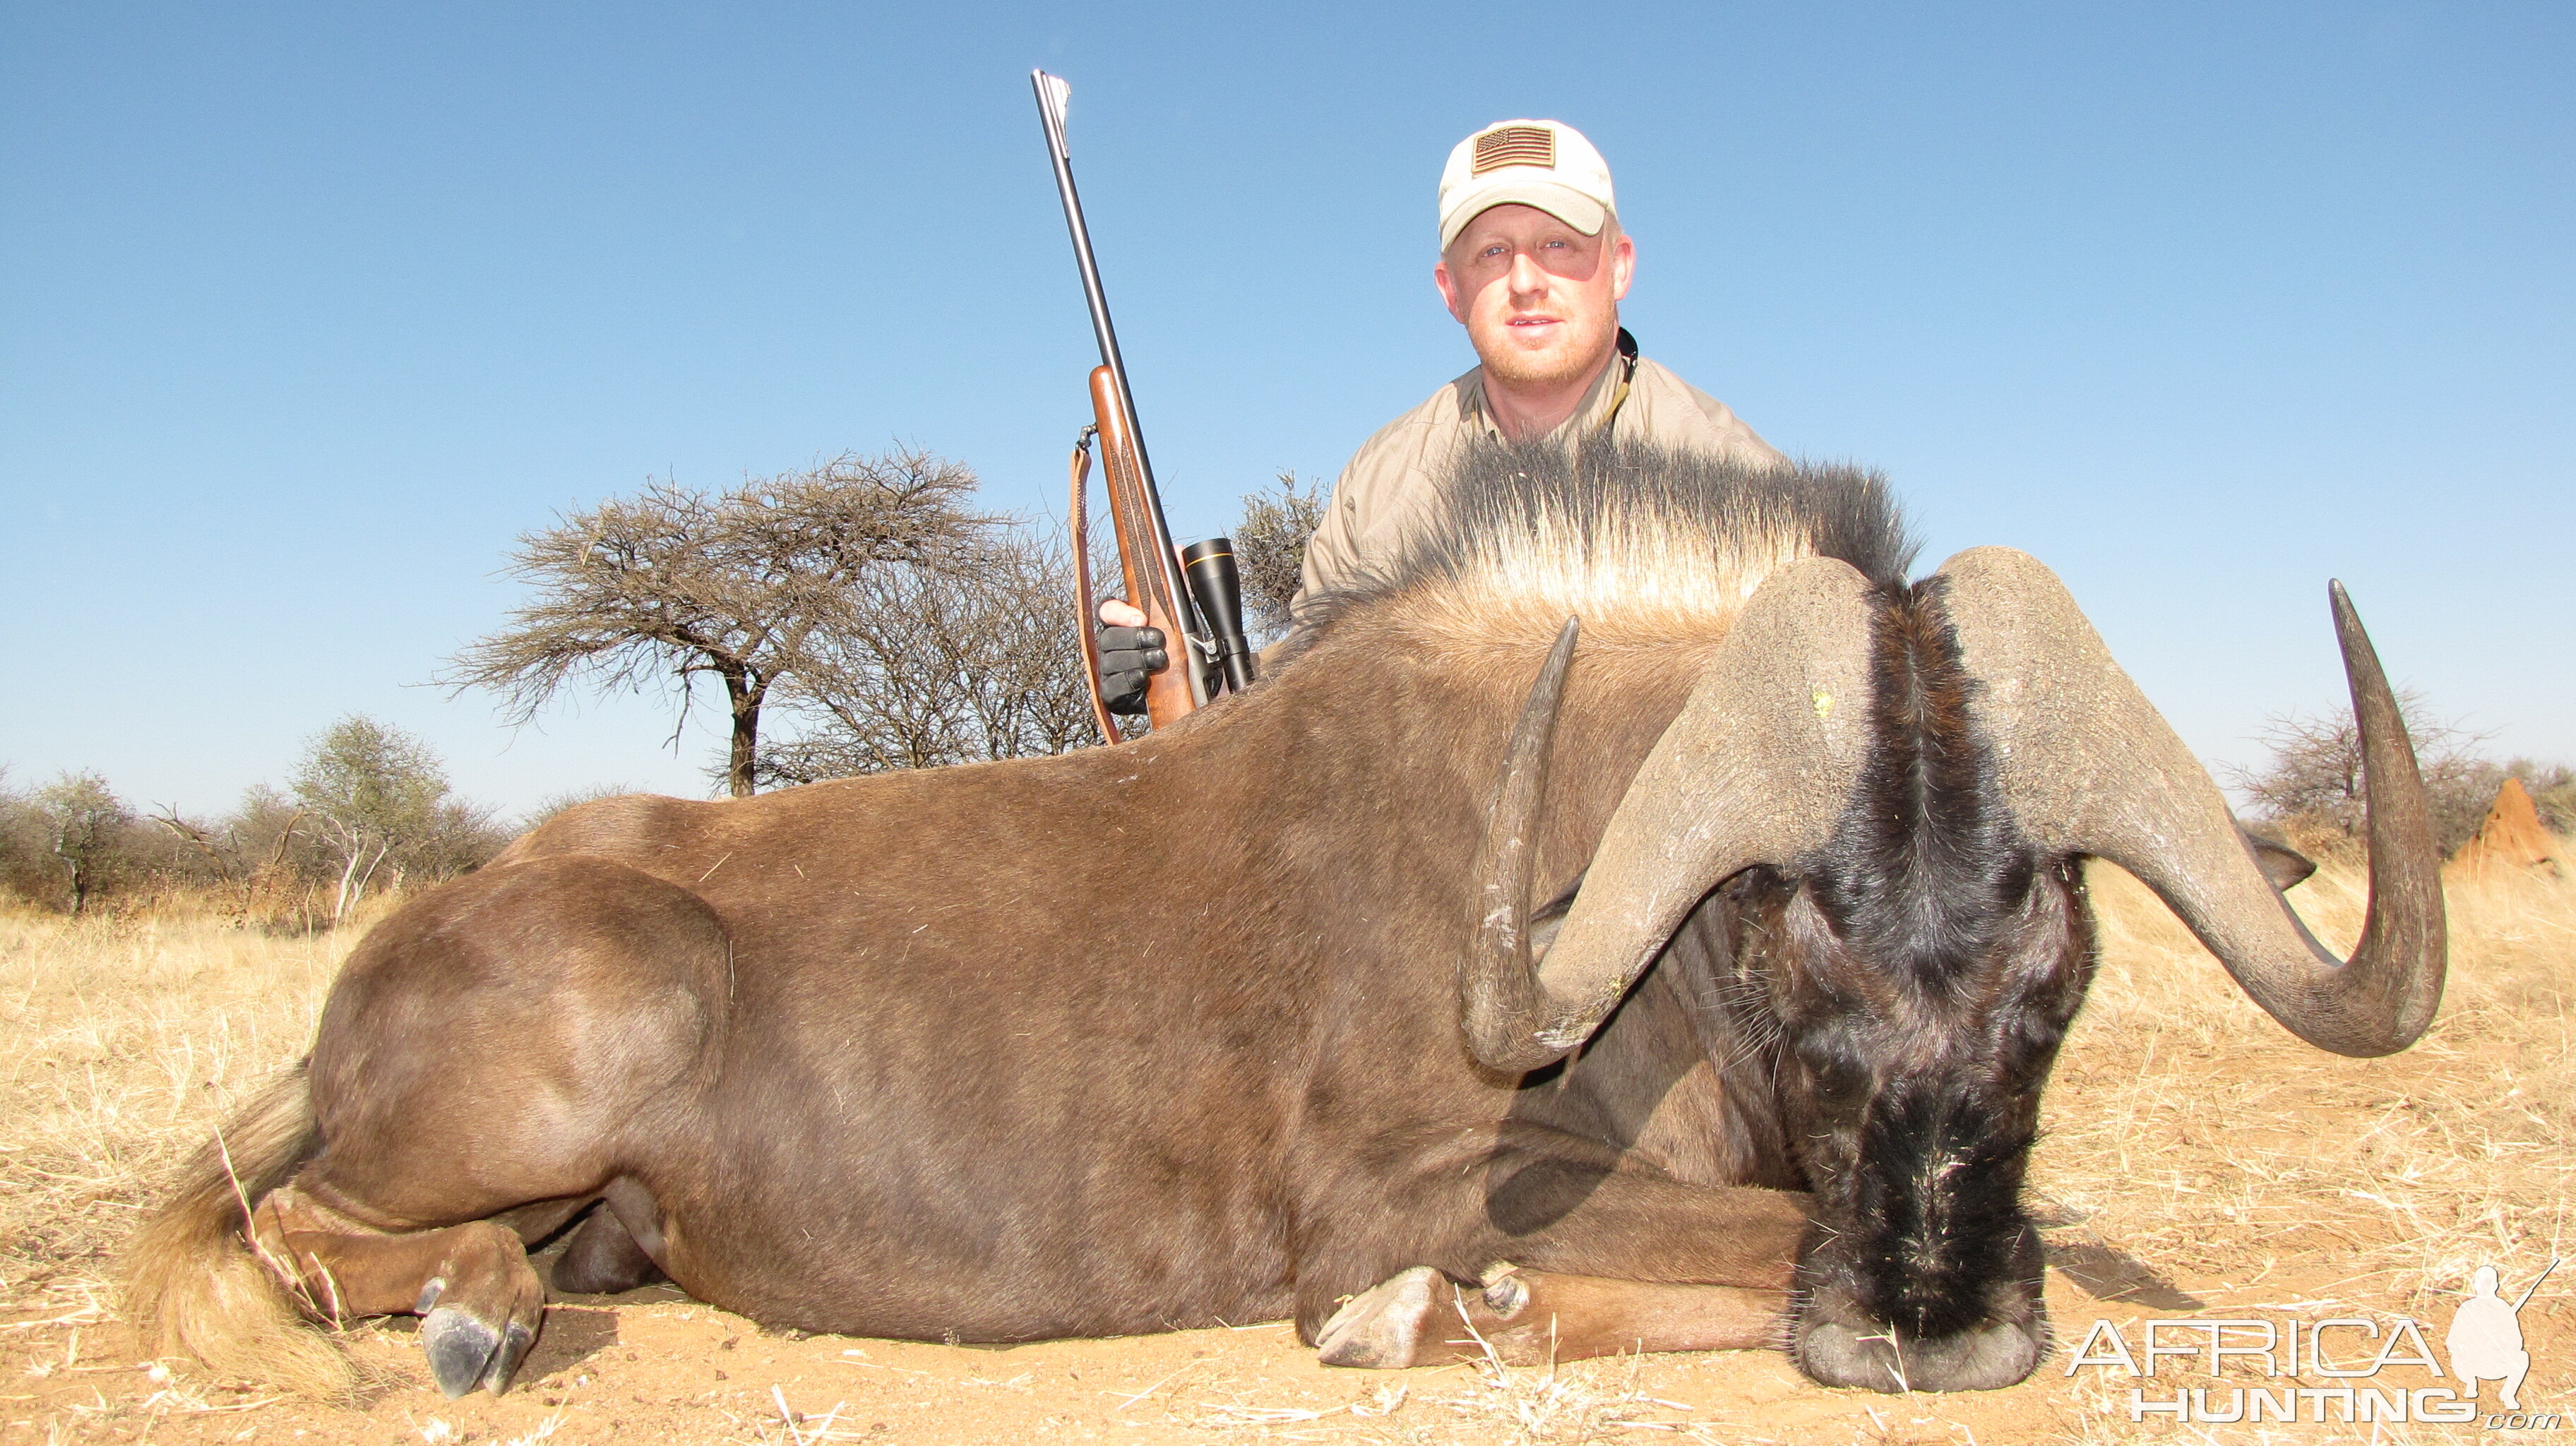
pixel 465 1353
pixel 1382 1327
pixel 515 1340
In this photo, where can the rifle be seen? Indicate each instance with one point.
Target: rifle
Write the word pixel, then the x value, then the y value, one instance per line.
pixel 1194 597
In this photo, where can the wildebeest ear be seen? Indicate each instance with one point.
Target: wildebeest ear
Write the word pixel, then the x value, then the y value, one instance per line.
pixel 2285 866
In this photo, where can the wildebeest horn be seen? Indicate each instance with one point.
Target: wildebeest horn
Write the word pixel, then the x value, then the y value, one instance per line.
pixel 2089 766
pixel 1755 769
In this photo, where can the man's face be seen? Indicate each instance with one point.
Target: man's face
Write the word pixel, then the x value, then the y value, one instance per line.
pixel 1540 300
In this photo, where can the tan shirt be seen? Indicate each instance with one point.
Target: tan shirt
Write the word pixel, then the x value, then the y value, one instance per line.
pixel 1391 489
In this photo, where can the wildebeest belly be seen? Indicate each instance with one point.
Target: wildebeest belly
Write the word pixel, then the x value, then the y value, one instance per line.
pixel 903 1169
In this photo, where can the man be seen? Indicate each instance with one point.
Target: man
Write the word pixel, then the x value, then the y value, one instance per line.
pixel 1533 262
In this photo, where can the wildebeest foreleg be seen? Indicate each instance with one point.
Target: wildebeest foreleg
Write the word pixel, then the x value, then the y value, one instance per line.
pixel 1626 1260
pixel 1531 1318
pixel 1639 1225
pixel 480 1301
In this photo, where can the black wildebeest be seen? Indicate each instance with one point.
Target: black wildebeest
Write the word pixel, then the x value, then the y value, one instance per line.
pixel 1718 988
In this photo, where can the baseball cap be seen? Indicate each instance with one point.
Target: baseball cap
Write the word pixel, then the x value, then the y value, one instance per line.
pixel 1542 163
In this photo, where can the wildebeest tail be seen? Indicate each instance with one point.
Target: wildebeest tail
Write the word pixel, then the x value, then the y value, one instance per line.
pixel 194 1287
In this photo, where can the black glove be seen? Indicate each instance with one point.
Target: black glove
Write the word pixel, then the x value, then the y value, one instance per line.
pixel 1126 656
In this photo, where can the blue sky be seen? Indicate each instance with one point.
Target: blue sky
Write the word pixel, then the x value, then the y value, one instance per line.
pixel 309 310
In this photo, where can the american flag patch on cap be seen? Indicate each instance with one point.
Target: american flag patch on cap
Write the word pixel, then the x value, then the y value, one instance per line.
pixel 1515 146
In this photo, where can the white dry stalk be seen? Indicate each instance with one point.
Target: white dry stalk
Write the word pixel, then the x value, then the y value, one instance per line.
pixel 542 1430
pixel 1542 1406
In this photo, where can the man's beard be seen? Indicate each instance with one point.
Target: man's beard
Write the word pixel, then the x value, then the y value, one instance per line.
pixel 1557 366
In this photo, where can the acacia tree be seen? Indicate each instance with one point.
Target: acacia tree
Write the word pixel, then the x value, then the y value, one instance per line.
pixel 677 584
pixel 927 668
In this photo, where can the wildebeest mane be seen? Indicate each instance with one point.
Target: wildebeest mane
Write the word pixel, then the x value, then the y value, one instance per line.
pixel 1627 534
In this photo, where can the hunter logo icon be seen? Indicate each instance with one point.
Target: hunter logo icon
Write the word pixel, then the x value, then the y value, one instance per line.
pixel 2485 1342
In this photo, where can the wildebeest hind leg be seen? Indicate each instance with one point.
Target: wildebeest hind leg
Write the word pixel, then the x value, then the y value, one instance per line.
pixel 514 1045
pixel 480 1301
pixel 1531 1318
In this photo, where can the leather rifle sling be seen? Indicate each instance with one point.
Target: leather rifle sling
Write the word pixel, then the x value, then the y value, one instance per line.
pixel 1083 603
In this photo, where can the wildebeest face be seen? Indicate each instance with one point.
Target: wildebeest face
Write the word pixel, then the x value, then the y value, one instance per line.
pixel 1908 1083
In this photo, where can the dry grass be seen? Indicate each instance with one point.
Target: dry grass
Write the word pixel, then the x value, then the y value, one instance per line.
pixel 2201 1136
pixel 2189 1142
pixel 126 1038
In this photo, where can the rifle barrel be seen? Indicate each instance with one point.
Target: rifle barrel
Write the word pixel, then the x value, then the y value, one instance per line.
pixel 1052 93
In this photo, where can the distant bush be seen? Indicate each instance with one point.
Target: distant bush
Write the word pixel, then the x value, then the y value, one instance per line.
pixel 2312 791
pixel 555 803
pixel 2553 791
pixel 1270 550
pixel 379 799
pixel 75 844
pixel 372 811
pixel 68 842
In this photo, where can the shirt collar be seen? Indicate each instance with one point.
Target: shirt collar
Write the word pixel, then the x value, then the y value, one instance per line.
pixel 1609 390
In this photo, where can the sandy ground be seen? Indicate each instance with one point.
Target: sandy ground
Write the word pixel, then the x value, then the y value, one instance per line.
pixel 2197 1162
pixel 654 1366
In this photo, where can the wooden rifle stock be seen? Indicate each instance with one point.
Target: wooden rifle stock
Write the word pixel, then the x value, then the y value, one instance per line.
pixel 1133 517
